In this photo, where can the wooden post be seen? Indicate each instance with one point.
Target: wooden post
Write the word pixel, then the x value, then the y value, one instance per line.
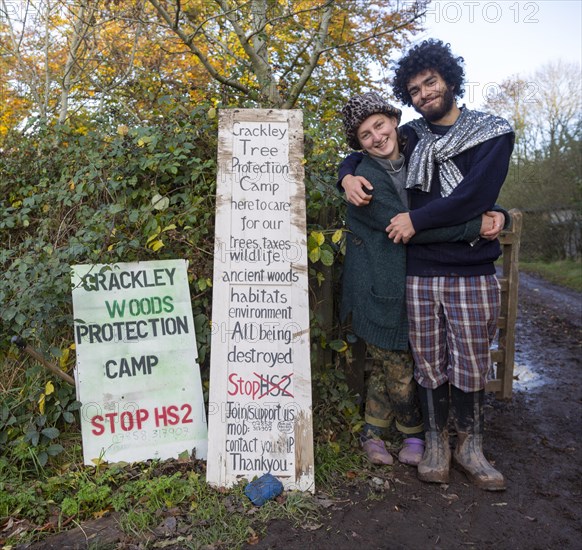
pixel 504 355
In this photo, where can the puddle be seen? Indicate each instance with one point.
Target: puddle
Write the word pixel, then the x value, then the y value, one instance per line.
pixel 524 378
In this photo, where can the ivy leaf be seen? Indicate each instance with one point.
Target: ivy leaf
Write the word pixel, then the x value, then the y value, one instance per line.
pixel 314 254
pixel 312 243
pixel 318 236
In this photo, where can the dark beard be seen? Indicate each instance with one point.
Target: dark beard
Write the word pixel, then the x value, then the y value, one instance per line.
pixel 446 105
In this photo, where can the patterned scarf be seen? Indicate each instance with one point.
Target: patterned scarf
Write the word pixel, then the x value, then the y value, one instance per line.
pixel 469 130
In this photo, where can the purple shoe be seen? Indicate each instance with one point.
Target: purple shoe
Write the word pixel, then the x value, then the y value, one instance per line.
pixel 376 452
pixel 412 451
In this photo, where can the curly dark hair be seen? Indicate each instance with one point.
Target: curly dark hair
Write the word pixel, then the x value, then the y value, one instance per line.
pixel 430 54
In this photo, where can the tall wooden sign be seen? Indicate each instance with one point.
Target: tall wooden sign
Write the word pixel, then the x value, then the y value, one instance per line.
pixel 137 374
pixel 259 409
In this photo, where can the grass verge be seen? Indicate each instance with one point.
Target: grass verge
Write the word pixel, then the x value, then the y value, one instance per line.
pixel 156 502
pixel 566 273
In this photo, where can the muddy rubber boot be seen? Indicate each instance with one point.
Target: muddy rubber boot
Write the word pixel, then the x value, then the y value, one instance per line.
pixel 435 463
pixel 468 455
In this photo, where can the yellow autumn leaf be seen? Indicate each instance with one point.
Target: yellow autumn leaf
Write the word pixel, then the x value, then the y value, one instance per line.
pixel 156 245
pixel 318 236
pixel 98 461
pixel 49 388
pixel 41 403
pixel 337 236
pixel 153 236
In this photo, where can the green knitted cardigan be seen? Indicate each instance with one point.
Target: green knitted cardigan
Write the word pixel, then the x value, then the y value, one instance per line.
pixel 374 276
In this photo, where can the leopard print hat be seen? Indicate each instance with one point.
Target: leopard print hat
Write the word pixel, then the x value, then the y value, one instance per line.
pixel 359 108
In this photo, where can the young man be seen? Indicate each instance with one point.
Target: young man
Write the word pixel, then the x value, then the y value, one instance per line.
pixel 457 162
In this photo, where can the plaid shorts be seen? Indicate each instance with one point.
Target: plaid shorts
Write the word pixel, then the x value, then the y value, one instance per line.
pixel 452 322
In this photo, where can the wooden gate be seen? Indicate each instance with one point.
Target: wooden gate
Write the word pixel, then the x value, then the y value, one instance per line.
pixel 503 354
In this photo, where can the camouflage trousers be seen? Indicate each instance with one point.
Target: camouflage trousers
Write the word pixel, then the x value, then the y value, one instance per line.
pixel 391 391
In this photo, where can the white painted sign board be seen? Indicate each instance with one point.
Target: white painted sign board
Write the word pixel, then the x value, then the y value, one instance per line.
pixel 137 374
pixel 259 412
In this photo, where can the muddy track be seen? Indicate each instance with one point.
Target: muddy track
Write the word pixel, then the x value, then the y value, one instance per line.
pixel 534 439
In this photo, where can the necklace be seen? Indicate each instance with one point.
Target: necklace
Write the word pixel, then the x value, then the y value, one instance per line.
pixel 400 159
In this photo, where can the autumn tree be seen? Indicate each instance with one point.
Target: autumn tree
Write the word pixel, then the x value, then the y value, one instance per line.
pixel 268 51
pixel 63 58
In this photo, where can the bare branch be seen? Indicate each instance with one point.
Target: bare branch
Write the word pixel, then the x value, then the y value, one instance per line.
pixel 373 36
pixel 31 78
pixel 257 62
pixel 80 30
pixel 315 55
pixel 199 54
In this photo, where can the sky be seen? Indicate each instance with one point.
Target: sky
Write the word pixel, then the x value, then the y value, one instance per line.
pixel 502 38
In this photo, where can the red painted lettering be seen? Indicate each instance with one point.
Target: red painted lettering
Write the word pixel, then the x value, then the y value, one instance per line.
pixel 98 427
pixel 187 419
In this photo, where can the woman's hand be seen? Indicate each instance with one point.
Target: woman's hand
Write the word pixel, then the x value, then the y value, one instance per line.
pixel 354 187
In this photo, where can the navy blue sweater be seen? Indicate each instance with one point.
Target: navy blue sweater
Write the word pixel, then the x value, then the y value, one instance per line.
pixel 484 168
pixel 374 278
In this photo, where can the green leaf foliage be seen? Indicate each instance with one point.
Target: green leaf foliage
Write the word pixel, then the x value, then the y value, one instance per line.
pixel 97 196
